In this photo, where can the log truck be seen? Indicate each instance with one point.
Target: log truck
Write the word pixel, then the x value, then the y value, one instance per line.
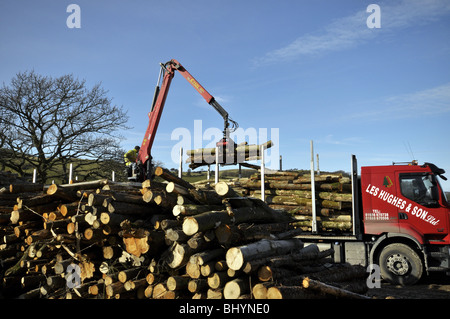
pixel 400 213
pixel 167 72
pixel 400 222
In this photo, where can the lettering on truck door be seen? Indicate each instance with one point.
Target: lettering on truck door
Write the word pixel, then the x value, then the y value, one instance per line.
pixel 380 205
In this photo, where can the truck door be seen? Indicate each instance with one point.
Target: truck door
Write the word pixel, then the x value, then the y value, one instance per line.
pixel 378 193
pixel 422 211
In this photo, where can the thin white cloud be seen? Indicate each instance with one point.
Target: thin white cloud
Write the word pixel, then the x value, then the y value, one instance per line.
pixel 347 32
pixel 428 102
pixel 331 139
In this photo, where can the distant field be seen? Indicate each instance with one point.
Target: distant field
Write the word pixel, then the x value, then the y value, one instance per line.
pixel 94 171
pixel 88 171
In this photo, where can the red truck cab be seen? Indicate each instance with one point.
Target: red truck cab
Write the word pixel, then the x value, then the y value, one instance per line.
pixel 407 215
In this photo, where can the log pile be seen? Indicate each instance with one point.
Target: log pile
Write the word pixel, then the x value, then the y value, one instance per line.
pixel 168 240
pixel 291 192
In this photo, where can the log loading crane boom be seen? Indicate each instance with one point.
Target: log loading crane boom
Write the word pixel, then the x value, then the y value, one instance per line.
pixel 167 73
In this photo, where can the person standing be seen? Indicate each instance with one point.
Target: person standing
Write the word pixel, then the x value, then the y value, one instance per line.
pixel 130 159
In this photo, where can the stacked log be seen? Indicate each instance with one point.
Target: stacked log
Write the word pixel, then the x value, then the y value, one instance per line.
pixel 86 230
pixel 240 154
pixel 291 192
pixel 157 240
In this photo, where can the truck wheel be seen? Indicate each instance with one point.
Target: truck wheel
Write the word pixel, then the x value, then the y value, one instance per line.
pixel 400 265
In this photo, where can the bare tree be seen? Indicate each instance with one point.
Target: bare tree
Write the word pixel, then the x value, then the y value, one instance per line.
pixel 47 123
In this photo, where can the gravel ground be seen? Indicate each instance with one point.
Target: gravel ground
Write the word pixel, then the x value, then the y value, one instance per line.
pixel 435 286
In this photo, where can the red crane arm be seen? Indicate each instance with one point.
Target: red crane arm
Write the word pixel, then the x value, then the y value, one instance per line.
pixel 155 115
pixel 159 99
pixel 200 89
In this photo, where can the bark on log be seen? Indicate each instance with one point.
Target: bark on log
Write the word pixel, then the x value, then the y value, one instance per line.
pixel 197 285
pixel 165 200
pixel 131 209
pixel 154 185
pixel 176 235
pixel 130 274
pixel 115 288
pixel 210 220
pixel 315 285
pixel 37 200
pixel 177 282
pixel 204 257
pixel 340 273
pixel 236 257
pixel 224 190
pixel 70 209
pixel 194 209
pixel 26 188
pixel 180 254
pixel 204 221
pixel 168 176
pixel 68 194
pixel 207 268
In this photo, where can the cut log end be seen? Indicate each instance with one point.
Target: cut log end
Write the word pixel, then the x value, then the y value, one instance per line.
pixel 234 258
pixel 190 226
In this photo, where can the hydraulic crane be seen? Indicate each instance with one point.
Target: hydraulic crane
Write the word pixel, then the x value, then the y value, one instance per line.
pixel 167 73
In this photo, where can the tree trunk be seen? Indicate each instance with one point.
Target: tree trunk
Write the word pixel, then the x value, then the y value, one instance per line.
pixel 330 290
pixel 236 257
pixel 204 221
pixel 68 194
pixel 26 188
pixel 194 209
pixel 210 220
pixel 131 209
pixel 34 201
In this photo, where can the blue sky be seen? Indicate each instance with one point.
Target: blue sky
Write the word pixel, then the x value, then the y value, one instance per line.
pixel 312 69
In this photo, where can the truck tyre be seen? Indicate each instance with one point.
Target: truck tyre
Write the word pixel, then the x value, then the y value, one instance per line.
pixel 400 265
